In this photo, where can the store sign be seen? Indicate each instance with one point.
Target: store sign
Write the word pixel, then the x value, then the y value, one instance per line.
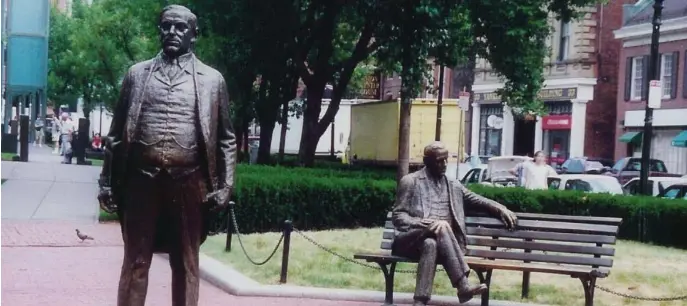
pixel 556 122
pixel 544 94
pixel 371 88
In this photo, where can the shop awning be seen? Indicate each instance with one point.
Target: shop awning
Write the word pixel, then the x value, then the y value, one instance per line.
pixel 680 140
pixel 631 137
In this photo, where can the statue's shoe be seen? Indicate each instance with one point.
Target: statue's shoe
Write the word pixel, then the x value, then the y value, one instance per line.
pixel 466 294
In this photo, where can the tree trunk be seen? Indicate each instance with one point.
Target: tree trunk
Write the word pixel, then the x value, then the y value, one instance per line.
pixel 284 128
pixel 239 142
pixel 440 99
pixel 404 127
pixel 266 129
pixel 310 135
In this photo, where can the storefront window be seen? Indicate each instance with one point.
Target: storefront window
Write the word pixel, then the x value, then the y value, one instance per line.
pixel 557 138
pixel 490 129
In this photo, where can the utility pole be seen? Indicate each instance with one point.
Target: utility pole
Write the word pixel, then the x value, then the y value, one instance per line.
pixel 649 111
pixel 437 133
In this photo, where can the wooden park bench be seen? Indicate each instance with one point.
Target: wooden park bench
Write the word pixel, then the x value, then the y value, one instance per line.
pixel 577 246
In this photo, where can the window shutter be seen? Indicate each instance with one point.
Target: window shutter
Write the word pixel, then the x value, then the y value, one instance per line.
pixel 676 72
pixel 628 78
pixel 645 78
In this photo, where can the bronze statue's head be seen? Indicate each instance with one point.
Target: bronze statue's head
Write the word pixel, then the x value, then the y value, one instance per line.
pixel 436 158
pixel 178 30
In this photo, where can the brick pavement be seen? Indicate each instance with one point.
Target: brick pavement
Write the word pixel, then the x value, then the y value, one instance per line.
pixel 43 263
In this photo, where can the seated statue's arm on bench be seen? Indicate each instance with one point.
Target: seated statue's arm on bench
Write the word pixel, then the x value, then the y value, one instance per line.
pixel 401 214
pixel 472 200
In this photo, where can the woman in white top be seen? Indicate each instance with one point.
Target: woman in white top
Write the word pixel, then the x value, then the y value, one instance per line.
pixel 536 173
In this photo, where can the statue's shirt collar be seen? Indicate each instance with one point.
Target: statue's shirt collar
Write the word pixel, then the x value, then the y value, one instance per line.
pixel 180 61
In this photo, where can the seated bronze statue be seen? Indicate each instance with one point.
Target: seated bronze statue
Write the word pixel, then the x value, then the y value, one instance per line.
pixel 429 218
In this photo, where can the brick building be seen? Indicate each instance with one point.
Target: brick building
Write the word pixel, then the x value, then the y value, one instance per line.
pixel 670 120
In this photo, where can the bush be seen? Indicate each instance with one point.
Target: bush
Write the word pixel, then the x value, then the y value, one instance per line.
pixel 329 199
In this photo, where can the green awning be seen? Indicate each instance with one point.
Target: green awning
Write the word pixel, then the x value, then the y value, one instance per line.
pixel 680 140
pixel 631 137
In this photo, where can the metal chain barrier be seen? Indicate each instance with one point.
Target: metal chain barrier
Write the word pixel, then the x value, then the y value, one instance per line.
pixel 347 258
pixel 640 298
pixel 238 234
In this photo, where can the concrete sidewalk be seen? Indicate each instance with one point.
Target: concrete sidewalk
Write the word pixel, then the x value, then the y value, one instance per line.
pixel 43 188
pixel 43 263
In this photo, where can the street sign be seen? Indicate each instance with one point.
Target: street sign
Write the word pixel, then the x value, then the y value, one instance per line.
pixel 655 94
pixel 464 100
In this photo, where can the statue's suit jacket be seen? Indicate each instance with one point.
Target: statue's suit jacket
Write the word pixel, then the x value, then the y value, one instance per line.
pixel 412 204
pixel 218 138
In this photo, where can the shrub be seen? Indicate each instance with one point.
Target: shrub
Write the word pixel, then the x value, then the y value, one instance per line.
pixel 328 199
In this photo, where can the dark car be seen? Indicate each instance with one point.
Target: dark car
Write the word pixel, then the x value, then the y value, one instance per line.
pixel 584 165
pixel 677 191
pixel 629 167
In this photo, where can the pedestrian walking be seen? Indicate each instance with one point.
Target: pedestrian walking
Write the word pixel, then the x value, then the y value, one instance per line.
pixel 38 125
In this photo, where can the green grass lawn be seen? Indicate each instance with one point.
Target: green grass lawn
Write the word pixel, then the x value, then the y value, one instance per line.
pixel 639 269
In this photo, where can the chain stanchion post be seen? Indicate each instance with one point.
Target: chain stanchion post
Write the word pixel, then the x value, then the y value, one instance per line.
pixel 288 228
pixel 230 227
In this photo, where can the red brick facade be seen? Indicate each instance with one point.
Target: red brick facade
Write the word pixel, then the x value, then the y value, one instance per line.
pixel 601 114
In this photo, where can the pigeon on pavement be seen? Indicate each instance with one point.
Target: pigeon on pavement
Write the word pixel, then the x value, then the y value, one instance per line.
pixel 83 236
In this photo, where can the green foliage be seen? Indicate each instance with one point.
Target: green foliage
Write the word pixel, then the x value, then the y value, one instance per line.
pixel 91 50
pixel 327 199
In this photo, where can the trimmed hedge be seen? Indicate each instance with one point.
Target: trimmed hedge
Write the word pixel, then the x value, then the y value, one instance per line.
pixel 329 199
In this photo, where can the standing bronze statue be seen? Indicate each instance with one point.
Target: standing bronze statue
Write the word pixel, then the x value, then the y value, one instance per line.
pixel 170 160
pixel 429 219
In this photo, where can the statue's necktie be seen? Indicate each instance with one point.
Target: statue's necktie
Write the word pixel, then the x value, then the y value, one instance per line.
pixel 172 70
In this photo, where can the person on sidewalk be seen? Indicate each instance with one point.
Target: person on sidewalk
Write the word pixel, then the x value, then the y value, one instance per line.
pixel 66 135
pixel 38 125
pixel 429 219
pixel 170 159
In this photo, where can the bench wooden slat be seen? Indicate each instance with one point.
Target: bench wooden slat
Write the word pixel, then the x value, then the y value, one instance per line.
pixel 389 224
pixel 565 237
pixel 475 263
pixel 386 244
pixel 574 219
pixel 566 227
pixel 543 258
pixel 389 234
pixel 540 246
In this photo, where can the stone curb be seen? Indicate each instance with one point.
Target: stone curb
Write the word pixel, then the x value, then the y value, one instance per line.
pixel 231 281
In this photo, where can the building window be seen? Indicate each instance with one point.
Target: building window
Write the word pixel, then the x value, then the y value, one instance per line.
pixel 564 41
pixel 637 77
pixel 490 129
pixel 667 75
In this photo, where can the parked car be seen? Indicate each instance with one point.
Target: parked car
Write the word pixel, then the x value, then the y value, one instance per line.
pixel 676 191
pixel 585 182
pixel 584 165
pixel 629 167
pixel 498 170
pixel 658 183
pixel 458 171
pixel 475 175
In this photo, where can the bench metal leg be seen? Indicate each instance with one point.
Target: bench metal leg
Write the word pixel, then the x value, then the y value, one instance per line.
pixel 487 281
pixel 388 281
pixel 589 284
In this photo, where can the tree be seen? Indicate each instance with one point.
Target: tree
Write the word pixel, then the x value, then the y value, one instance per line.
pixel 510 34
pixel 90 63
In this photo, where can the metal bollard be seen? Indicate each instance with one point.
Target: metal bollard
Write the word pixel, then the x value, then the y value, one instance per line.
pixel 288 228
pixel 230 225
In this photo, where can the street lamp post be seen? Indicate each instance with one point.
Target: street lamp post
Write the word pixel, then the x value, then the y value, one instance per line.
pixel 649 111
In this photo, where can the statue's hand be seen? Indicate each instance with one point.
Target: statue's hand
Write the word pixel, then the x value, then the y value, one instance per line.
pixel 218 199
pixel 106 200
pixel 508 218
